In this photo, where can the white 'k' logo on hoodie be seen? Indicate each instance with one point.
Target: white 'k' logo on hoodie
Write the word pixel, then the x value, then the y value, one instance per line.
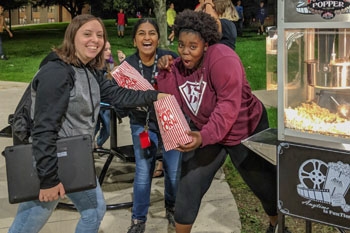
pixel 193 94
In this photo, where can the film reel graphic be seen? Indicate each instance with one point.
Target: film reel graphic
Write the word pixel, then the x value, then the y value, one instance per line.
pixel 312 173
pixel 325 183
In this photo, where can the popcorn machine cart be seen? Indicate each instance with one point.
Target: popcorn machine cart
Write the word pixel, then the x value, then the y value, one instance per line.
pixel 313 137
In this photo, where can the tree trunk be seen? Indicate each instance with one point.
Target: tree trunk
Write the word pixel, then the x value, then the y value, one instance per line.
pixel 160 13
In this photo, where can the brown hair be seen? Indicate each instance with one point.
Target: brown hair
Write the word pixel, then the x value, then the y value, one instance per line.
pixel 226 10
pixel 66 51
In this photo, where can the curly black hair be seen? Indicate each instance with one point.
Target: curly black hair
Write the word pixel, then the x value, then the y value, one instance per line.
pixel 200 22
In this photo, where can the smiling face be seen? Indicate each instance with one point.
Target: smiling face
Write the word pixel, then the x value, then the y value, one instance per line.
pixel 89 41
pixel 146 39
pixel 191 48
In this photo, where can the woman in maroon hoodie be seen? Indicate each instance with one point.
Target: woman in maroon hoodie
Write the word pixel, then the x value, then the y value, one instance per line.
pixel 209 82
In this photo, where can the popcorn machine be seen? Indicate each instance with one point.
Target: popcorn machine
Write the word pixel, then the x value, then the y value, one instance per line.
pixel 312 142
pixel 313 151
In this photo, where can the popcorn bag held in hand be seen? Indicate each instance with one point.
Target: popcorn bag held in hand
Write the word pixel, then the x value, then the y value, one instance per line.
pixel 172 123
pixel 128 77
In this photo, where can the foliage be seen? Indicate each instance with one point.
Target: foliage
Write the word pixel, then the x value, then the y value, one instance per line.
pixel 110 8
pixel 12 4
pixel 74 7
pixel 117 4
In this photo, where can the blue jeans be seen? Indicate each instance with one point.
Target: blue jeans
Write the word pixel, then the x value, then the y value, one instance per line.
pixel 32 215
pixel 103 118
pixel 145 163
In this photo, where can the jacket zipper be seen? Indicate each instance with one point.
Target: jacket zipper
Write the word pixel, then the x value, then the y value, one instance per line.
pixel 90 93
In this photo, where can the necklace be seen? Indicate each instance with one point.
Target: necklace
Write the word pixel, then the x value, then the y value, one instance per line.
pixel 153 82
pixel 154 72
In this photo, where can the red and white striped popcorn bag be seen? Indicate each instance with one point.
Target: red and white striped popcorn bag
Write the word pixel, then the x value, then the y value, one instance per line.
pixel 172 123
pixel 128 77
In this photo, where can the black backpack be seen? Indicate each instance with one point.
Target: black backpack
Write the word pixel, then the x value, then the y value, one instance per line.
pixel 21 121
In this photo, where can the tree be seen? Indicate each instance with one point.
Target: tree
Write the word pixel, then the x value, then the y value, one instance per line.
pixel 110 8
pixel 12 4
pixel 74 7
pixel 160 13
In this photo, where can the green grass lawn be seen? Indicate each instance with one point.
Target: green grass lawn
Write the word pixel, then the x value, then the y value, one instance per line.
pixel 31 44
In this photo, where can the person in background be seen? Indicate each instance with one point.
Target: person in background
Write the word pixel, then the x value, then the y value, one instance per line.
pixel 146 38
pixel 219 90
pixel 228 15
pixel 261 15
pixel 24 19
pixel 207 6
pixel 110 63
pixel 121 56
pixel 199 6
pixel 225 13
pixel 121 23
pixel 2 27
pixel 76 93
pixel 170 18
pixel 239 23
pixel 103 121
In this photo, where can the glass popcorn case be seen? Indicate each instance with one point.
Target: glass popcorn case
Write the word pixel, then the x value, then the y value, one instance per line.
pixel 314 49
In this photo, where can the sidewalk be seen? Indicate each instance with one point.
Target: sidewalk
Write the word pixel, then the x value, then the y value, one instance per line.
pixel 218 212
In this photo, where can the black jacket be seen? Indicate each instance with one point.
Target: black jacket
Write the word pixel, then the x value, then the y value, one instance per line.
pixel 66 102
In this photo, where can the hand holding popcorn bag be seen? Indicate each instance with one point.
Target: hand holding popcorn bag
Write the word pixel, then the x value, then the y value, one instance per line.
pixel 172 123
pixel 128 77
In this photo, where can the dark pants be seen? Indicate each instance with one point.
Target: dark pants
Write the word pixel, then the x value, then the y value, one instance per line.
pixel 239 27
pixel 259 174
pixel 198 169
pixel 200 166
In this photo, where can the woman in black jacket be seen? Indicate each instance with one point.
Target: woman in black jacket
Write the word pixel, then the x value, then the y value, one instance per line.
pixel 66 103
